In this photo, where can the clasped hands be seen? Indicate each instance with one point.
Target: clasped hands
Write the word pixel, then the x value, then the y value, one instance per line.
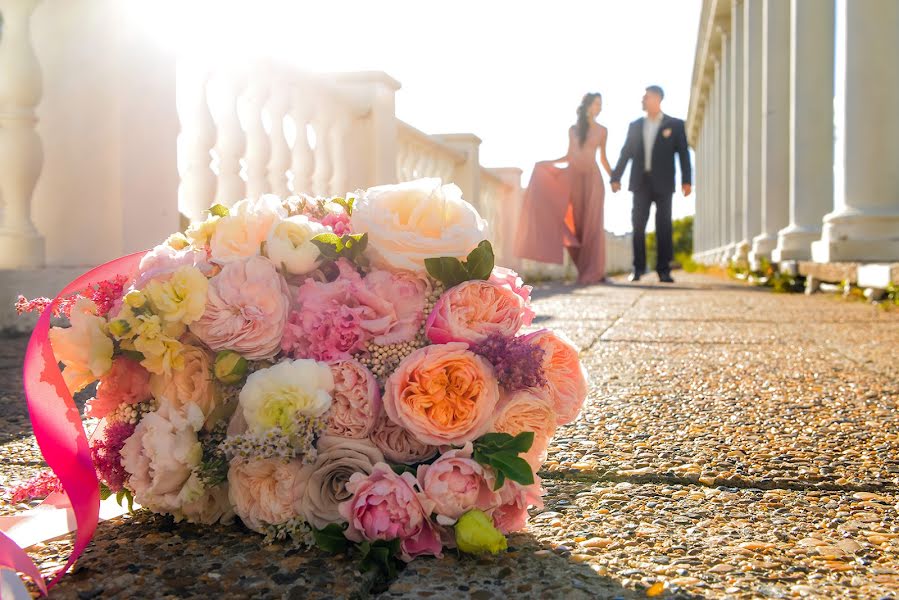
pixel 685 188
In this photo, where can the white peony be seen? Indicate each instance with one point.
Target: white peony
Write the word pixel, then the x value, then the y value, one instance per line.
pixel 242 232
pixel 412 221
pixel 280 395
pixel 84 348
pixel 289 244
pixel 161 455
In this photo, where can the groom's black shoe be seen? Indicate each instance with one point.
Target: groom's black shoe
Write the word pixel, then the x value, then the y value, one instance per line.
pixel 635 276
pixel 665 278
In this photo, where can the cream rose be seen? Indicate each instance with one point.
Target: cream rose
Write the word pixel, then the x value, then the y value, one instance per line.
pixel 192 384
pixel 241 233
pixel 84 348
pixel 266 492
pixel 338 458
pixel 409 222
pixel 280 395
pixel 528 410
pixel 210 506
pixel 289 244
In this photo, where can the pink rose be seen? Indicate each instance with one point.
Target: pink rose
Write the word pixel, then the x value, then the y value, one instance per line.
pixel 387 506
pixel 125 383
pixel 442 394
pixel 241 233
pixel 457 483
pixel 397 444
pixel 405 292
pixel 356 400
pixel 528 410
pixel 267 492
pixel 246 309
pixel 474 310
pixel 567 380
pixel 510 279
pixel 191 383
pixel 512 513
pixel 163 260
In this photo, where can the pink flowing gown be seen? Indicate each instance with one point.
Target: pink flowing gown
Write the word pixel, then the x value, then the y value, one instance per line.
pixel 563 208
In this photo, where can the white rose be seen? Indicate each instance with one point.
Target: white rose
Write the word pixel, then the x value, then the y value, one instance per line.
pixel 206 506
pixel 412 221
pixel 242 232
pixel 84 348
pixel 289 244
pixel 280 395
pixel 161 455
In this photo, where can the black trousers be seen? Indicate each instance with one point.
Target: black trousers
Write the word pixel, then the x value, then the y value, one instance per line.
pixel 643 200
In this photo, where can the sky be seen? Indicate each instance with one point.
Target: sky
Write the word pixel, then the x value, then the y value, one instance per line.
pixel 511 72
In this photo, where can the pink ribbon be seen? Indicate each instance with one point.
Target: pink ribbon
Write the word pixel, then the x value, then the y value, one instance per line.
pixel 58 429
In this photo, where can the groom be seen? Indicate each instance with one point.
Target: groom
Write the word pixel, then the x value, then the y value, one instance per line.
pixel 651 143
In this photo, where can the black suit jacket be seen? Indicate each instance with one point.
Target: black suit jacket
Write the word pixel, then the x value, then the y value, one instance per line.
pixel 671 139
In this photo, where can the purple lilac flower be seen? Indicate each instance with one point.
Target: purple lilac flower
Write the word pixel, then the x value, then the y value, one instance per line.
pixel 107 455
pixel 518 364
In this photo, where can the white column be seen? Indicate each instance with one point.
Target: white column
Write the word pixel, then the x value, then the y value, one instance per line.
pixel 752 125
pixel 775 142
pixel 196 191
pixel 230 141
pixel 727 152
pixel 258 148
pixel 21 154
pixel 865 223
pixel 717 165
pixel 811 126
pixel 735 83
pixel 279 161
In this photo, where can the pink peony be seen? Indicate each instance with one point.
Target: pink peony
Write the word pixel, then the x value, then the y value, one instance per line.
pixel 528 410
pixel 512 513
pixel 510 279
pixel 246 309
pixel 567 380
pixel 397 444
pixel 442 394
pixel 163 260
pixel 356 400
pixel 387 506
pixel 267 492
pixel 125 383
pixel 457 483
pixel 405 292
pixel 474 310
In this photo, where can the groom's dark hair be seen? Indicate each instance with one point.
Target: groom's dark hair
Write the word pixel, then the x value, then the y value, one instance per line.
pixel 656 89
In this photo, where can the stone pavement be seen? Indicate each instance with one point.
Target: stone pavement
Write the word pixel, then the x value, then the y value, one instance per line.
pixel 736 444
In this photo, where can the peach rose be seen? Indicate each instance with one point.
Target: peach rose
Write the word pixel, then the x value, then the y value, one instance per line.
pixel 405 293
pixel 356 400
pixel 241 233
pixel 510 279
pixel 442 394
pixel 457 484
pixel 567 380
pixel 473 311
pixel 338 458
pixel 210 507
pixel 512 513
pixel 192 383
pixel 409 222
pixel 267 492
pixel 125 383
pixel 245 310
pixel 397 444
pixel 528 410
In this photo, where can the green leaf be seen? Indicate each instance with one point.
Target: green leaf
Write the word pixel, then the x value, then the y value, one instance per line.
pixel 219 210
pixel 380 556
pixel 521 443
pixel 400 469
pixel 500 480
pixel 105 492
pixel 514 467
pixel 448 270
pixel 348 204
pixel 330 539
pixel 133 355
pixel 480 261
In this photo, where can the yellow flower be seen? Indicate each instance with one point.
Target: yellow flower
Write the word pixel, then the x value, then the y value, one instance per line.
pixel 161 355
pixel 280 395
pixel 475 534
pixel 181 298
pixel 178 241
pixel 200 233
pixel 84 348
pixel 230 367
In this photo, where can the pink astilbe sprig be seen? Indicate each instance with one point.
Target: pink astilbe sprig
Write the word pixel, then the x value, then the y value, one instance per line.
pixel 104 295
pixel 38 487
pixel 518 363
pixel 338 222
pixel 107 454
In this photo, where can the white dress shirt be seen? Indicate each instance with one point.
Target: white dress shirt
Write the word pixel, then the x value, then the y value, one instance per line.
pixel 650 131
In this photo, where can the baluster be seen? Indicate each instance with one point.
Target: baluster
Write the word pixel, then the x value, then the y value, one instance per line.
pixel 21 154
pixel 322 123
pixel 302 160
pixel 279 162
pixel 196 191
pixel 230 143
pixel 337 142
pixel 258 147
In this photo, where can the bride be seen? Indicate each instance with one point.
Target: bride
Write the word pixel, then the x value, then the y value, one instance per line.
pixel 563 205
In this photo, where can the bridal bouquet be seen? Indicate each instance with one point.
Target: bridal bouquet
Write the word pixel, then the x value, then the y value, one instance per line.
pixel 346 373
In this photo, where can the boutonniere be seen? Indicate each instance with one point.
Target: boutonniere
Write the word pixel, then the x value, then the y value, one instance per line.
pixel 666 132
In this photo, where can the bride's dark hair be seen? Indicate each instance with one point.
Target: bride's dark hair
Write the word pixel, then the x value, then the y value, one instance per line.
pixel 583 119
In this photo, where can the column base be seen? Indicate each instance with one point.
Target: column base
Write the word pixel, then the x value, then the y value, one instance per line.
pixel 21 251
pixel 762 246
pixel 853 236
pixel 741 253
pixel 795 243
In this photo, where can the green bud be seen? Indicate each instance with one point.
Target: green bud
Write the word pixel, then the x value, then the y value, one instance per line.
pixel 475 534
pixel 219 210
pixel 230 367
pixel 119 328
pixel 135 299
